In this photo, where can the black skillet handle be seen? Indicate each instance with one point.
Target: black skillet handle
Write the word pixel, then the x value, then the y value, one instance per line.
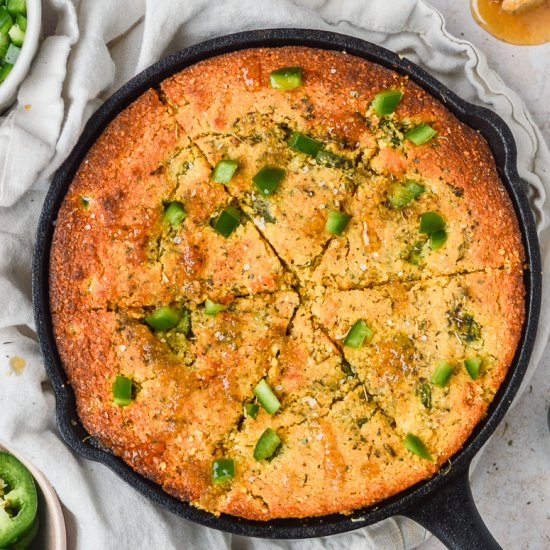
pixel 451 515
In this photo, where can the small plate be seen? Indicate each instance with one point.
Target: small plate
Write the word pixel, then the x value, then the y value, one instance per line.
pixel 51 532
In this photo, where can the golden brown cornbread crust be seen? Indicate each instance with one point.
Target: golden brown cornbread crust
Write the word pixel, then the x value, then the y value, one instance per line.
pixel 292 290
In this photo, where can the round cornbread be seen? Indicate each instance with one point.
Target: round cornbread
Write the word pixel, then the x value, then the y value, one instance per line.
pixel 291 290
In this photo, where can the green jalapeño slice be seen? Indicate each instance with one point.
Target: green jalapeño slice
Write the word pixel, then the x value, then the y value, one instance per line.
pixel 18 501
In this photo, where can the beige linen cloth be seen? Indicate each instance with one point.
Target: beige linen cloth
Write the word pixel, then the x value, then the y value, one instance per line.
pixel 91 47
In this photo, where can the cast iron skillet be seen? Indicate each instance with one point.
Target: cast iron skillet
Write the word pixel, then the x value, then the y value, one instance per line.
pixel 443 504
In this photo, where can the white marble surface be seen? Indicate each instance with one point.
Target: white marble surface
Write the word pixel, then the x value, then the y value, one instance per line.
pixel 511 483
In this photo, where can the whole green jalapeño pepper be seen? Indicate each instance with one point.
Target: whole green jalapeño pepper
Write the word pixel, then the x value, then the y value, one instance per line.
pixel 18 502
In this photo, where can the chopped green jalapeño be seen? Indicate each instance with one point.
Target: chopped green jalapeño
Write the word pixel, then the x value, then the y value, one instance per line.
pixel 415 445
pixel 227 221
pixel 163 318
pixel 16 7
pixel 357 334
pixel 268 178
pixel 421 134
pixel 12 54
pixel 251 410
pixel 17 35
pixel 402 194
pixel 211 308
pixel 224 170
pixel 268 400
pixel 430 222
pixel 223 469
pixel 21 22
pixel 286 78
pixel 174 214
pixel 442 373
pixel 5 20
pixel 438 239
pixel 385 103
pixel 267 445
pixel 337 222
pixel 5 70
pixel 304 144
pixel 122 390
pixel 472 366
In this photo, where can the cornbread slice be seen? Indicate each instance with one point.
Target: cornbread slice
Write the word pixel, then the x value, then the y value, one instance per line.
pixel 309 376
pixel 246 337
pixel 337 338
pixel 115 248
pixel 188 392
pixel 293 217
pixel 198 263
pixel 419 325
pixel 383 243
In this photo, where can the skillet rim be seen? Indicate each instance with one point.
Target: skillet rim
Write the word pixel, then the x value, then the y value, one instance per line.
pixel 502 145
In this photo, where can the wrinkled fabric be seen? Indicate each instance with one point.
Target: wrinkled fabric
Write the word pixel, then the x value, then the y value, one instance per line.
pixel 92 47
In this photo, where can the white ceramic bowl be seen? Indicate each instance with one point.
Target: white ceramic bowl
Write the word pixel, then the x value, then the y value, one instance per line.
pixel 8 88
pixel 51 531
